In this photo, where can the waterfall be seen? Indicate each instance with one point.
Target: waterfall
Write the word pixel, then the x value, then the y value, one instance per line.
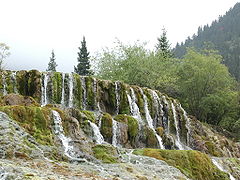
pixel 150 120
pixel 14 81
pixel 221 168
pixel 117 96
pixel 84 92
pixel 165 120
pixel 96 132
pixel 116 133
pixel 44 99
pixel 58 130
pixel 133 106
pixel 158 106
pixel 70 102
pixel 3 174
pixel 178 141
pixel 187 124
pixel 63 90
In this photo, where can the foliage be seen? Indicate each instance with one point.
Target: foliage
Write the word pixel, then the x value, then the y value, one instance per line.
pixel 4 53
pixel 52 63
pixel 222 35
pixel 206 87
pixel 163 46
pixel 134 64
pixel 83 67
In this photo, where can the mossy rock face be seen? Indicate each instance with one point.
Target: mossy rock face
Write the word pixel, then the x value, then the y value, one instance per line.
pixel 107 96
pixel 77 92
pixel 123 104
pixel 34 84
pixel 139 98
pixel 91 104
pixel 56 80
pixel 106 127
pixel 132 123
pixel 35 120
pixel 15 99
pixel 194 164
pixel 106 153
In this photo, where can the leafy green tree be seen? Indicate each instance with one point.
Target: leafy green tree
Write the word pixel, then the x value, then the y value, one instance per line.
pixel 52 63
pixel 83 67
pixel 206 87
pixel 134 64
pixel 163 45
pixel 4 53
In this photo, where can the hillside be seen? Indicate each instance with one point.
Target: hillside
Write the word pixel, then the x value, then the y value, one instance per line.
pixel 79 126
pixel 222 35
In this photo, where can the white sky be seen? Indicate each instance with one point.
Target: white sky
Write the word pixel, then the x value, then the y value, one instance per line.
pixel 32 28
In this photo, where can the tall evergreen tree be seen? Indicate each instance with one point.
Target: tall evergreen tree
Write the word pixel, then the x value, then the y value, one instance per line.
pixel 52 63
pixel 163 46
pixel 83 66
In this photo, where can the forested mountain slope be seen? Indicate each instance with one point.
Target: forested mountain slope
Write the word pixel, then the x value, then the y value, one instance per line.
pixel 222 35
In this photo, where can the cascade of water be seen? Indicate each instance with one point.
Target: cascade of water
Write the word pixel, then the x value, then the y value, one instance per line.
pixel 63 90
pixel 178 141
pixel 187 124
pixel 116 133
pixel 221 168
pixel 14 81
pixel 165 119
pixel 3 174
pixel 117 96
pixel 150 120
pixel 84 99
pixel 158 105
pixel 134 107
pixel 58 130
pixel 70 102
pixel 44 99
pixel 97 134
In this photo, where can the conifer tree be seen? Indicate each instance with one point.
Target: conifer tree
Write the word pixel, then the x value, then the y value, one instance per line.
pixel 83 66
pixel 163 46
pixel 52 64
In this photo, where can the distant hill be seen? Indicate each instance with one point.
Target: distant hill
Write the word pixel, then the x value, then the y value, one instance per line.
pixel 222 35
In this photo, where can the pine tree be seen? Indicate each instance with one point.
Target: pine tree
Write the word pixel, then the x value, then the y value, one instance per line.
pixel 163 46
pixel 83 66
pixel 52 64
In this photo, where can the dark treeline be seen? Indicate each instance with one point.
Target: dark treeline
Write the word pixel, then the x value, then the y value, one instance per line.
pixel 222 35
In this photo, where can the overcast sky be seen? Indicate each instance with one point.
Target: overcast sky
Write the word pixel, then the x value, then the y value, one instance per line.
pixel 32 28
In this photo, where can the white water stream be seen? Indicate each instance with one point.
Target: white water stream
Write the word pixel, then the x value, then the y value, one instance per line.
pixel 97 134
pixel 150 120
pixel 44 99
pixel 178 141
pixel 219 166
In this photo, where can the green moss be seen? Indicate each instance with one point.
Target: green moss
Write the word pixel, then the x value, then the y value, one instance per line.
pixel 22 82
pixel 34 84
pixel 77 92
pixel 123 105
pixel 107 96
pixel 212 149
pixel 90 93
pixel 35 120
pixel 132 123
pixel 106 153
pixel 193 164
pixel 106 127
pixel 57 87
pixel 140 101
pixel 90 116
pixel 151 138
